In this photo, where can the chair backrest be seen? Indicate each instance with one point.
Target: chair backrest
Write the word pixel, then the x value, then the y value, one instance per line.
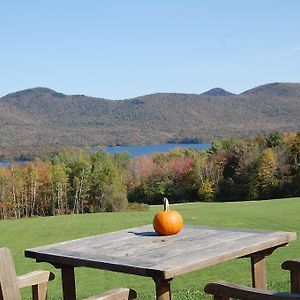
pixel 8 278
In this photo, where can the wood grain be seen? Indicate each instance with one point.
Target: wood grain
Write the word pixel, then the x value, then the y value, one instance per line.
pixel 142 252
pixel 258 268
pixel 8 276
pixel 10 284
pixel 116 294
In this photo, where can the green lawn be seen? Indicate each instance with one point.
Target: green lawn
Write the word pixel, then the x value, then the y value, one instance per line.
pixel 283 214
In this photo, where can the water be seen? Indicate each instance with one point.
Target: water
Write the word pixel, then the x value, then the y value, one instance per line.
pixel 133 151
pixel 6 163
pixel 142 150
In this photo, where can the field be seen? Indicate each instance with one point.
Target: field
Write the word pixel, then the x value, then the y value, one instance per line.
pixel 282 214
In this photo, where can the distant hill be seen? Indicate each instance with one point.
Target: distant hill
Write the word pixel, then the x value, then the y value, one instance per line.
pixel 275 89
pixel 217 92
pixel 41 120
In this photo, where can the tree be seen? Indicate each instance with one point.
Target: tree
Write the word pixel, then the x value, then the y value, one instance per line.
pixel 239 163
pixel 59 186
pixel 31 188
pixel 106 180
pixel 17 191
pixel 295 166
pixel 79 171
pixel 267 172
pixel 43 205
pixel 206 191
pixel 4 194
pixel 274 139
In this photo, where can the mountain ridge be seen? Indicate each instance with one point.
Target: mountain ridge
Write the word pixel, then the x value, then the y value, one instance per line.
pixel 41 120
pixel 275 88
pixel 217 92
pixel 281 87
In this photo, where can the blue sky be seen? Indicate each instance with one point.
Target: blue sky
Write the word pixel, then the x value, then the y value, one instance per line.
pixel 122 49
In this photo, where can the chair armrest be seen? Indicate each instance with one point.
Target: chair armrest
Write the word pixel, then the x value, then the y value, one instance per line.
pixel 116 294
pixel 226 290
pixel 34 278
pixel 292 265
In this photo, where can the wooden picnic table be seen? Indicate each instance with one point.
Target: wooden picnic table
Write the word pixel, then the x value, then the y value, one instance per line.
pixel 142 252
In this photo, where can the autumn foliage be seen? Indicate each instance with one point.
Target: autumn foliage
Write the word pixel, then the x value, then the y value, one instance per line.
pixel 82 182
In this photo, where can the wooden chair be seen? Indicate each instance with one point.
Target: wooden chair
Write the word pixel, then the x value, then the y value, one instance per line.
pixel 10 283
pixel 116 294
pixel 222 290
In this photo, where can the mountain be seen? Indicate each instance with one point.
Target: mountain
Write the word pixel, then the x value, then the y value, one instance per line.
pixel 217 92
pixel 40 120
pixel 275 89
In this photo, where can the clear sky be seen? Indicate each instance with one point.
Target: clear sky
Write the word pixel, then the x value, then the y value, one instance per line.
pixel 127 48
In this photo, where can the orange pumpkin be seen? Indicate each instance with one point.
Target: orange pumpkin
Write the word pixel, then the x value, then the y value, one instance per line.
pixel 168 221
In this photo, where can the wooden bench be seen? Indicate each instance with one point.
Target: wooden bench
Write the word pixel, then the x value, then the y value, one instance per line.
pixel 223 290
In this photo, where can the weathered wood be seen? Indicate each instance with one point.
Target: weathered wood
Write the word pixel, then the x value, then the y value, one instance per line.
pixel 39 291
pixel 69 288
pixel 258 268
pixel 226 290
pixel 10 284
pixel 68 283
pixel 35 277
pixel 163 288
pixel 38 280
pixel 142 252
pixel 266 252
pixel 116 294
pixel 294 267
pixel 8 276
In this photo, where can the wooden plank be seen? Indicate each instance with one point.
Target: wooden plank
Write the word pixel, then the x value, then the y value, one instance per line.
pixel 295 281
pixel 35 277
pixel 8 277
pixel 227 290
pixel 258 268
pixel 163 289
pixel 39 282
pixel 39 291
pixel 294 267
pixel 116 294
pixel 142 252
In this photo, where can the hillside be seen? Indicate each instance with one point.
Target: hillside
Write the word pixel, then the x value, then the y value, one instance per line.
pixel 217 92
pixel 41 120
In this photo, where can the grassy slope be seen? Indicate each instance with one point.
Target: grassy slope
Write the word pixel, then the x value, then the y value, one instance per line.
pixel 280 214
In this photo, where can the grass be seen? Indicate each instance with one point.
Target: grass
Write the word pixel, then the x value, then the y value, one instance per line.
pixel 282 214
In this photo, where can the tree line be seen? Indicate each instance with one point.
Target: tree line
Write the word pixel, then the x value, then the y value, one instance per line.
pixel 83 182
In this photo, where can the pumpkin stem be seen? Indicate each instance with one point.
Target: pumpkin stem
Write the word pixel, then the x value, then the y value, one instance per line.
pixel 166 204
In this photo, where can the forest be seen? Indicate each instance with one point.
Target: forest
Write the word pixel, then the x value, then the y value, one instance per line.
pixel 40 121
pixel 264 167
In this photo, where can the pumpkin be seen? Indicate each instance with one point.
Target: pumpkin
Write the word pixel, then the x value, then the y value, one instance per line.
pixel 168 221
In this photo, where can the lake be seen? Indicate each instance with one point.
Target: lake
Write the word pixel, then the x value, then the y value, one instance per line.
pixel 142 150
pixel 6 163
pixel 133 151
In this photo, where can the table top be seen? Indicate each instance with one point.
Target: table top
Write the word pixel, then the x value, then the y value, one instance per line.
pixel 142 252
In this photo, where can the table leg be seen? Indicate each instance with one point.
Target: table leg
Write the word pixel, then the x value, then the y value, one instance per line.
pixel 163 288
pixel 68 282
pixel 258 268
